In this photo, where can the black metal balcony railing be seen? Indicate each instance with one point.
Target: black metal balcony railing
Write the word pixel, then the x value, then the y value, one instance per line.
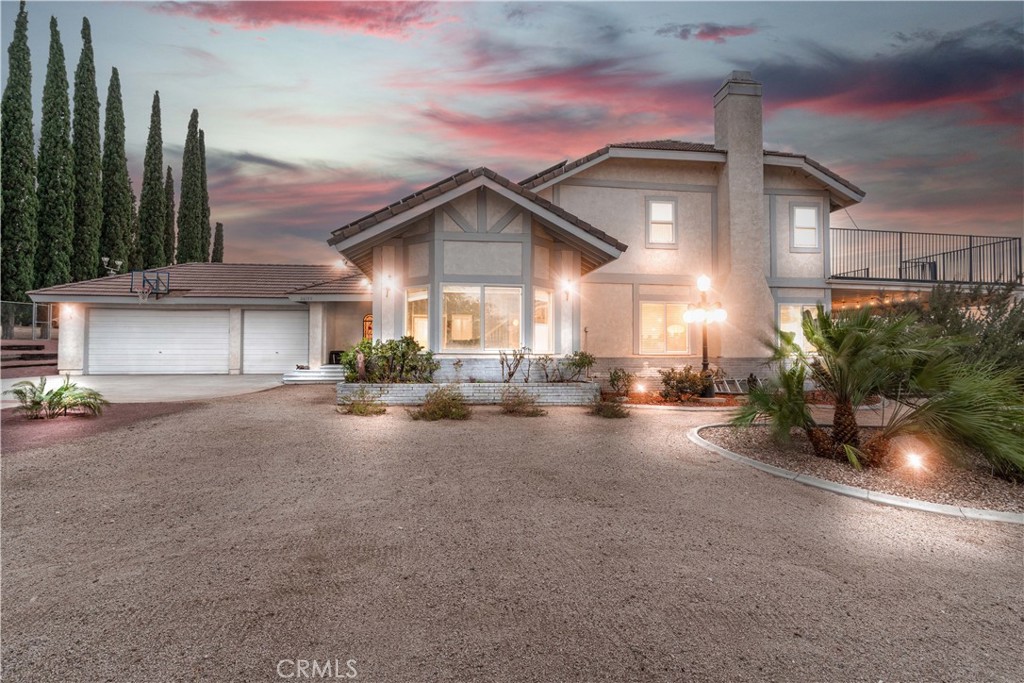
pixel 924 257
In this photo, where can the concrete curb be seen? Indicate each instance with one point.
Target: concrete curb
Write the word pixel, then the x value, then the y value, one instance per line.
pixel 856 491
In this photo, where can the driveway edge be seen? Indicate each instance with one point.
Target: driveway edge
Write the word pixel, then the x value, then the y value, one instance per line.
pixel 856 491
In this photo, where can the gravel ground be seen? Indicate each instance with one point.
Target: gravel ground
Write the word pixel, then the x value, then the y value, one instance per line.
pixel 967 485
pixel 21 433
pixel 214 543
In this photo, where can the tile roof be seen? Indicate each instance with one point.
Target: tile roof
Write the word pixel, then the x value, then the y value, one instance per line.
pixel 450 183
pixel 217 280
pixel 670 146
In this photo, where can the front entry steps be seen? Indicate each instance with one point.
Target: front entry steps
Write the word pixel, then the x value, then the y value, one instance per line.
pixel 325 374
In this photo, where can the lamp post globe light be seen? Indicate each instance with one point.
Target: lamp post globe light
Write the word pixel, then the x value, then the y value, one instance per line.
pixel 705 314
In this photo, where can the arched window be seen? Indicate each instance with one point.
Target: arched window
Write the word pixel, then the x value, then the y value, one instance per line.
pixel 368 326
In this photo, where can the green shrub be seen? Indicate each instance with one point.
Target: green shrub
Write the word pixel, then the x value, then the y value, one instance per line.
pixel 442 403
pixel 609 409
pixel 621 381
pixel 683 383
pixel 576 364
pixel 36 402
pixel 363 403
pixel 388 362
pixel 520 402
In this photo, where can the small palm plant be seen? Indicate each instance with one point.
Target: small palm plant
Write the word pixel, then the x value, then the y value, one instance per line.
pixel 36 402
pixel 938 396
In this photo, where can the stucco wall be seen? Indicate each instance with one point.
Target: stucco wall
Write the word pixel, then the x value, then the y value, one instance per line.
pixel 343 321
pixel 607 316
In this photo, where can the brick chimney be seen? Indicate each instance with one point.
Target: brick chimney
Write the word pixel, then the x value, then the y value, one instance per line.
pixel 743 232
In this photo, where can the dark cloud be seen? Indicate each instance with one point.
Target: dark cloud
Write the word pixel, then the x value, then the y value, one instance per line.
pixel 978 70
pixel 709 32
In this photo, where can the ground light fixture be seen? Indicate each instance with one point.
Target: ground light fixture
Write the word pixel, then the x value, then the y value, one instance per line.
pixel 704 314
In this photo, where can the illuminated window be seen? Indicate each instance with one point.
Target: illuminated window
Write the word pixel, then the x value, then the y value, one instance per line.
pixel 478 318
pixel 416 315
pixel 543 329
pixel 791 320
pixel 662 329
pixel 805 231
pixel 661 223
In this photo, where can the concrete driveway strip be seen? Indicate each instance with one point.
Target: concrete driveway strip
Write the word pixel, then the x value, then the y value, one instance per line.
pixel 161 388
pixel 245 535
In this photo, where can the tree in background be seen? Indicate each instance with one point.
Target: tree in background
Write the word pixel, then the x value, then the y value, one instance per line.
pixel 169 217
pixel 218 244
pixel 56 183
pixel 85 253
pixel 205 224
pixel 18 172
pixel 152 212
pixel 190 207
pixel 134 241
pixel 117 193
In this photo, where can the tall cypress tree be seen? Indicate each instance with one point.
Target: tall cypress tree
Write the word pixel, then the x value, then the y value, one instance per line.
pixel 152 212
pixel 56 183
pixel 85 255
pixel 218 244
pixel 18 174
pixel 169 218
pixel 117 193
pixel 205 240
pixel 134 243
pixel 190 206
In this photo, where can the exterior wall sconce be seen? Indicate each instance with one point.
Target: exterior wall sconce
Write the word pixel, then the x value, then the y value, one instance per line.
pixel 388 283
pixel 704 314
pixel 567 287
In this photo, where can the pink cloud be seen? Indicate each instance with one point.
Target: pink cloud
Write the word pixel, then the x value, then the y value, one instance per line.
pixel 533 136
pixel 389 19
pixel 708 32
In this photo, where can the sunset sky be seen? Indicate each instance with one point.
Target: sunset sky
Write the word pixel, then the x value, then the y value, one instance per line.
pixel 316 113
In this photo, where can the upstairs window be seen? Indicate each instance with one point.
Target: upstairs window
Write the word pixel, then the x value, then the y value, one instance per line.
pixel 805 228
pixel 661 224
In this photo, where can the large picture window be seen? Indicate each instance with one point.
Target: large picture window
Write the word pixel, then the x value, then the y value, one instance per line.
pixel 662 330
pixel 476 318
pixel 791 320
pixel 661 223
pixel 805 233
pixel 417 315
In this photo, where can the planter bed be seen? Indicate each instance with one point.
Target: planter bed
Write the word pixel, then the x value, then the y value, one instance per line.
pixel 479 393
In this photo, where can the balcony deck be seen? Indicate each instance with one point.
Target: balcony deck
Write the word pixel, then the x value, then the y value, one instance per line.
pixel 924 257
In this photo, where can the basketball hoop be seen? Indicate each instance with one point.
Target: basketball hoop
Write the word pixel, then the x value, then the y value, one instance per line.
pixel 144 292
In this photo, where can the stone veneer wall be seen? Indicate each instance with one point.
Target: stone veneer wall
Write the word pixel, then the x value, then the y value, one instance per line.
pixel 479 393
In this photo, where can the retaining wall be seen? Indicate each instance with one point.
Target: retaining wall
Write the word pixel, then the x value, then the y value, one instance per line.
pixel 479 393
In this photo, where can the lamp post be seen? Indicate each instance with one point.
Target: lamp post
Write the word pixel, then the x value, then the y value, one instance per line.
pixel 704 314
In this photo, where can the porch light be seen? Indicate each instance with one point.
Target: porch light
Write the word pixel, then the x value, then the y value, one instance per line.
pixel 703 314
pixel 366 283
pixel 388 282
pixel 567 287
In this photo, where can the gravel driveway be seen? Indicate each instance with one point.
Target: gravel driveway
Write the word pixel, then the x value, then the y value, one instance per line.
pixel 215 543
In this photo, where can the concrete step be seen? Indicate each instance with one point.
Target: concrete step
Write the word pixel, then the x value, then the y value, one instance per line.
pixel 325 374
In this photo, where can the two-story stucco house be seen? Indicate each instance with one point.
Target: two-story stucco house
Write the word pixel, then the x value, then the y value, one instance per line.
pixel 601 254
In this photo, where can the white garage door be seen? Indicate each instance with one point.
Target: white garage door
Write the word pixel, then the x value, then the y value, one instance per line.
pixel 152 341
pixel 274 341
